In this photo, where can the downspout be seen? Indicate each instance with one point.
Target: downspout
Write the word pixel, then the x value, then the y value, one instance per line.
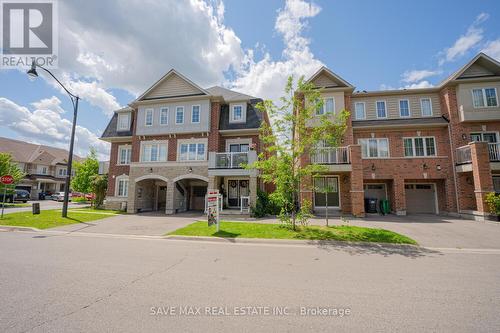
pixel 452 152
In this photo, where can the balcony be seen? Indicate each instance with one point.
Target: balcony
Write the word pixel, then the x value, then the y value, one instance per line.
pixel 231 163
pixel 464 157
pixel 335 158
pixel 494 151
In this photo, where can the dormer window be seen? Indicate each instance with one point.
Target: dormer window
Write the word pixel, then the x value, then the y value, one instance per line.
pixel 237 114
pixel 123 122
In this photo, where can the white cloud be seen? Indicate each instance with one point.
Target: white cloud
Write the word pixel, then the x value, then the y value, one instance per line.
pixel 464 43
pixel 51 104
pixel 267 77
pixel 418 75
pixel 418 85
pixel 46 126
pixel 492 48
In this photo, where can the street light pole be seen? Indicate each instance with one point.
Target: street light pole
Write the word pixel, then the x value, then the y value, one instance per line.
pixel 74 100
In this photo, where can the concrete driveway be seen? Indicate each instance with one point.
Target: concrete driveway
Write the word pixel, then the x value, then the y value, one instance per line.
pixel 145 224
pixel 429 230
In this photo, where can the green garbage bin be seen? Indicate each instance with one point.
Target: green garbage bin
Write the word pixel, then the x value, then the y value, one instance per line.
pixel 385 207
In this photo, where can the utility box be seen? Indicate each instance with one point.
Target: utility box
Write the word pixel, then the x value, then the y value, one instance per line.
pixel 35 207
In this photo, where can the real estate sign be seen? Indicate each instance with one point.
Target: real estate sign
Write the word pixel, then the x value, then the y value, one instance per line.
pixel 213 205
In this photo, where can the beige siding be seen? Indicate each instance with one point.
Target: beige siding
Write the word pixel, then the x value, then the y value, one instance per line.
pixel 465 108
pixel 476 70
pixel 339 105
pixel 324 80
pixel 173 86
pixel 392 105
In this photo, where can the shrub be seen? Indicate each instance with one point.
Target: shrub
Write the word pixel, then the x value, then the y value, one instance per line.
pixel 79 199
pixel 265 205
pixel 493 202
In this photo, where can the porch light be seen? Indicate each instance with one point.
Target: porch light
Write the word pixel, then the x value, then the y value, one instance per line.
pixel 190 170
pixel 425 166
pixel 438 167
pixel 464 136
pixel 373 167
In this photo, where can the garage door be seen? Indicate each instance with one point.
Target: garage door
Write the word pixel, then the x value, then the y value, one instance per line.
pixel 376 191
pixel 420 198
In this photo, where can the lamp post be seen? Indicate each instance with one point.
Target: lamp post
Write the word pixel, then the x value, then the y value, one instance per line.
pixel 74 100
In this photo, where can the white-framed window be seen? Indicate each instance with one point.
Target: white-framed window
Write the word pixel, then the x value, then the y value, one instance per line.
pixel 329 104
pixel 359 110
pixel 123 122
pixel 381 109
pixel 179 115
pixel 426 107
pixel 404 108
pixel 195 114
pixel 419 146
pixel 164 116
pixel 122 186
pixel 154 151
pixel 192 151
pixel 62 172
pixel 42 170
pixel 237 114
pixel 374 147
pixel 484 97
pixel 490 137
pixel 124 155
pixel 148 118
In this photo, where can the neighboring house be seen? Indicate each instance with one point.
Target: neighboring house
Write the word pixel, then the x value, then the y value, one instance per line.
pixel 433 150
pixel 177 140
pixel 45 166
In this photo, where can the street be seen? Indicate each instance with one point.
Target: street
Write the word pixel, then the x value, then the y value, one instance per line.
pixel 62 282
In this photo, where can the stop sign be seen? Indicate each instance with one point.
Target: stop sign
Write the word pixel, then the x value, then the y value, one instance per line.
pixel 7 179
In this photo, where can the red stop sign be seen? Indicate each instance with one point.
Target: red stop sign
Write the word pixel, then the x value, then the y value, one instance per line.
pixel 7 179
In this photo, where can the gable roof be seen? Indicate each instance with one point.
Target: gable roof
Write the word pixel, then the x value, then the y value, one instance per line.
pixel 25 152
pixel 228 95
pixel 172 84
pixel 481 65
pixel 325 78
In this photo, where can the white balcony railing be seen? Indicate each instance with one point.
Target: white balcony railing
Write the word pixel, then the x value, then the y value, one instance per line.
pixel 494 150
pixel 464 155
pixel 330 155
pixel 231 160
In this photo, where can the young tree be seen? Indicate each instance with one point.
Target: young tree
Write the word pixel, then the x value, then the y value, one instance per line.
pixel 295 132
pixel 99 185
pixel 84 171
pixel 9 167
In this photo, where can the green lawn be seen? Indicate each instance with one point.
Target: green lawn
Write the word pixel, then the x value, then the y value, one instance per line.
pixel 15 205
pixel 52 218
pixel 277 231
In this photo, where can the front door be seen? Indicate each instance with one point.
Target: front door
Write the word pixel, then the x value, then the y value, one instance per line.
pixel 237 188
pixel 199 193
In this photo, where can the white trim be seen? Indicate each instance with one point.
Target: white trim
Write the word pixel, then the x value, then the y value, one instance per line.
pixel 159 142
pixel 324 104
pixel 422 109
pixel 368 148
pixel 199 114
pixel 238 141
pixel 117 182
pixel 183 115
pixel 338 188
pixel 485 100
pixel 192 141
pixel 146 111
pixel 190 176
pixel 385 108
pixel 409 109
pixel 355 111
pixel 163 108
pixel 434 187
pixel 120 147
pixel 124 114
pixel 243 114
pixel 425 146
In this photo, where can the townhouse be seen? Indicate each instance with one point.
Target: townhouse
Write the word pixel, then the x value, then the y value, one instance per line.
pixel 176 141
pixel 45 167
pixel 434 150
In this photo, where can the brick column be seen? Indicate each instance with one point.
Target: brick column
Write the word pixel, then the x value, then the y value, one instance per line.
pixel 399 196
pixel 483 182
pixel 357 192
pixel 131 196
pixel 169 209
pixel 253 190
pixel 214 137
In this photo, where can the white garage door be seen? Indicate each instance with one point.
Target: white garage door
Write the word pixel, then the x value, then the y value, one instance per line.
pixel 376 191
pixel 420 198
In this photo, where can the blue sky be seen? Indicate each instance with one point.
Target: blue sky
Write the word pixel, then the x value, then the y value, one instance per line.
pixel 108 56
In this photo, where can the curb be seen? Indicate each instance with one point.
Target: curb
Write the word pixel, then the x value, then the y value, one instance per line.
pixel 289 241
pixel 18 228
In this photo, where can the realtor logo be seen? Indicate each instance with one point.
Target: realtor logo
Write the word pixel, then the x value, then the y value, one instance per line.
pixel 29 32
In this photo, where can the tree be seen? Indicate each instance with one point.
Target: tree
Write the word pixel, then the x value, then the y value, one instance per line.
pixel 84 171
pixel 99 185
pixel 9 167
pixel 296 131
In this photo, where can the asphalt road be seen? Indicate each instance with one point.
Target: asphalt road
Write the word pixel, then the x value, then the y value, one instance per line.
pixel 101 283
